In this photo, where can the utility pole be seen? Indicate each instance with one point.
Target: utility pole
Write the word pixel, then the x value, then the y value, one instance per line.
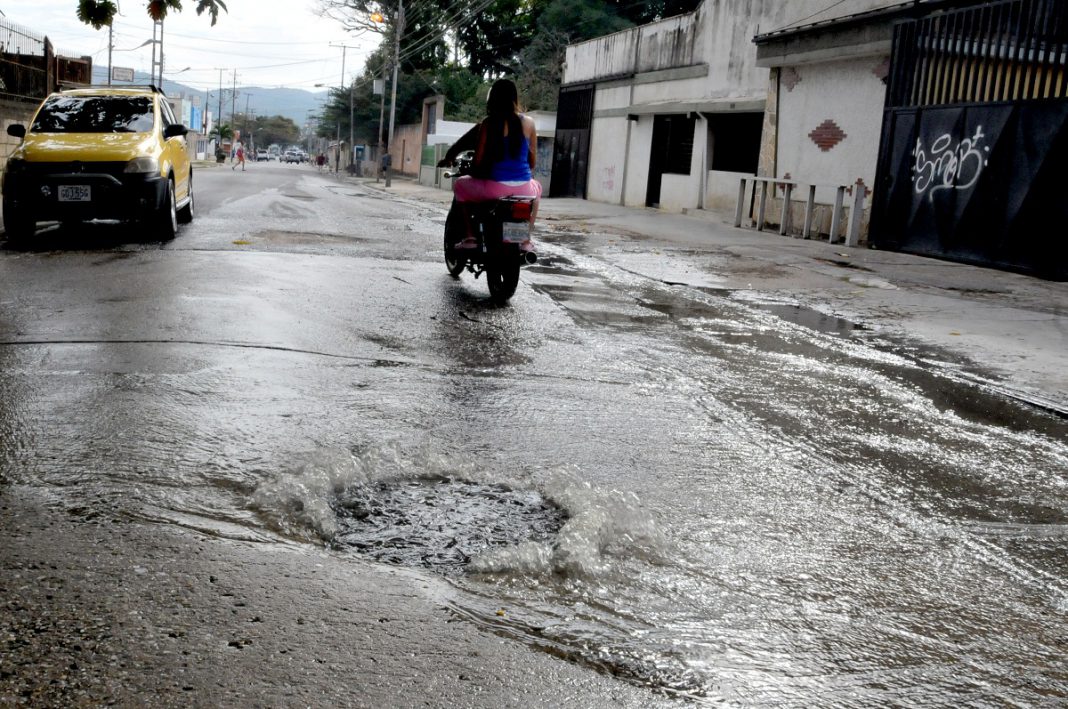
pixel 398 30
pixel 352 89
pixel 111 45
pixel 247 97
pixel 219 116
pixel 157 64
pixel 352 140
pixel 233 100
pixel 337 156
pixel 161 55
pixel 381 122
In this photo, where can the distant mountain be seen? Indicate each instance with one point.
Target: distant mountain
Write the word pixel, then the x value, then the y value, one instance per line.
pixel 294 104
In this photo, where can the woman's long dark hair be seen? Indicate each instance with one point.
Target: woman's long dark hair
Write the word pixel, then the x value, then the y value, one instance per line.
pixel 502 107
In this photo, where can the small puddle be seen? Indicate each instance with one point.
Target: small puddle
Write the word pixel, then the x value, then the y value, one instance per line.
pixel 440 524
pixel 811 318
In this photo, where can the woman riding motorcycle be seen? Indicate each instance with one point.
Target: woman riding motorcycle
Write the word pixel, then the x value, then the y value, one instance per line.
pixel 505 145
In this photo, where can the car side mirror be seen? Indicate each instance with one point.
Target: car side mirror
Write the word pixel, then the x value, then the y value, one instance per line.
pixel 17 130
pixel 175 130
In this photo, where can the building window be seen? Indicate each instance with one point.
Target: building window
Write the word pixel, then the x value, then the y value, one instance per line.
pixel 735 141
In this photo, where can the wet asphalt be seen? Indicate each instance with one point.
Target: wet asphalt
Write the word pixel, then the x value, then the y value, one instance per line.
pixel 285 459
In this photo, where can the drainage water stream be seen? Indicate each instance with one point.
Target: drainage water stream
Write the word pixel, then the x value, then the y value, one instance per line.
pixel 671 486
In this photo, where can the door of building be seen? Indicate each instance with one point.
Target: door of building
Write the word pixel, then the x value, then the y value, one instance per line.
pixel 571 148
pixel 671 152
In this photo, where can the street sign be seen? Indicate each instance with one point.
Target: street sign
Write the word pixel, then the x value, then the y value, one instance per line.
pixel 119 73
pixel 379 86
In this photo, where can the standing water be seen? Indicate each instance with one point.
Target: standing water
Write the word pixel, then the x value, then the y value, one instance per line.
pixel 672 486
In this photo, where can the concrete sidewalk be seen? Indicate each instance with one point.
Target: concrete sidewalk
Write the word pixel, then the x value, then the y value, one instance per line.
pixel 1003 330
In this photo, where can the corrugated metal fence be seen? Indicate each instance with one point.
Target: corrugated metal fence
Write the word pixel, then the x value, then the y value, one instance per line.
pixel 975 138
pixel 1001 51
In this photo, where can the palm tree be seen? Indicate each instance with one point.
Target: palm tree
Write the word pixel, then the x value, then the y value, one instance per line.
pixel 225 131
pixel 100 13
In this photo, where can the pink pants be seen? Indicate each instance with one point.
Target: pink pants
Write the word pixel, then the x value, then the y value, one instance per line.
pixel 473 189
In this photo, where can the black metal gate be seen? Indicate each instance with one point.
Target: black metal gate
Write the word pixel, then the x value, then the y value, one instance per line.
pixel 975 136
pixel 571 148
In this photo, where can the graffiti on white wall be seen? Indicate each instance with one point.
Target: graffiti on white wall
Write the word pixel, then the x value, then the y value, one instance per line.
pixel 608 178
pixel 948 166
pixel 544 164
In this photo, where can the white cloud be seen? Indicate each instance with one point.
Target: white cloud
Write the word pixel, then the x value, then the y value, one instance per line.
pixel 269 42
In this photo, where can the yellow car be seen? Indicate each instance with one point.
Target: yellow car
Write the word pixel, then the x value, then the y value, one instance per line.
pixel 100 153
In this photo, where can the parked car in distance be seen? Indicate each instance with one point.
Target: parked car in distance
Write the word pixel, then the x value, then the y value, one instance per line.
pixel 262 155
pixel 115 153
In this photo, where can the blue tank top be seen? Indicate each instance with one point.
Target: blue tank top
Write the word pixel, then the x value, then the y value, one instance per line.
pixel 513 169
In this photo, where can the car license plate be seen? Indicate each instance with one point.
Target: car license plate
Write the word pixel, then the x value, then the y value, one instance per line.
pixel 516 232
pixel 74 193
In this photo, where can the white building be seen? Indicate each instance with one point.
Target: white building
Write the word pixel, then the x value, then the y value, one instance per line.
pixel 672 113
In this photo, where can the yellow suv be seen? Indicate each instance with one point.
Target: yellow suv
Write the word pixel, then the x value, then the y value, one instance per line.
pixel 100 153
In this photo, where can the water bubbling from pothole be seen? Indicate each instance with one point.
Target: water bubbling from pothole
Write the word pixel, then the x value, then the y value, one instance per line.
pixel 440 523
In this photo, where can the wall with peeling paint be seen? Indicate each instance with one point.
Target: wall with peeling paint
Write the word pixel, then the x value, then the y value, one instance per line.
pixel 607 161
pixel 637 178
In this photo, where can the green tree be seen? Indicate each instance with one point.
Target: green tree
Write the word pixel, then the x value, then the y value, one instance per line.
pixel 274 129
pixel 641 13
pixel 523 39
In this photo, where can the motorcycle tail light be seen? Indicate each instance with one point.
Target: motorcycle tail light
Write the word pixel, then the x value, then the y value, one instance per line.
pixel 522 210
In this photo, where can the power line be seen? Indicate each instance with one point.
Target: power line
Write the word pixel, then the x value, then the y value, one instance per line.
pixel 455 19
pixel 814 14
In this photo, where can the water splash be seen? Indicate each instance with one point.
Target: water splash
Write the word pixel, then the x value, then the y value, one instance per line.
pixel 323 494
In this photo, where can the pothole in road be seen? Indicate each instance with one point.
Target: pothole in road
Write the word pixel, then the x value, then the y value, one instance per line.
pixel 440 524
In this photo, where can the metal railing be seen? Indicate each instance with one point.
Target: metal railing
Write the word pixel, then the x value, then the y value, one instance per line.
pixel 770 184
pixel 30 68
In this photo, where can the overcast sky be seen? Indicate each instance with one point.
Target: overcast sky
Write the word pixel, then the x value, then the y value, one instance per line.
pixel 274 43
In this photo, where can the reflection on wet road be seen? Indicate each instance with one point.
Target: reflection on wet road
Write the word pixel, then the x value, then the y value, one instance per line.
pixel 709 495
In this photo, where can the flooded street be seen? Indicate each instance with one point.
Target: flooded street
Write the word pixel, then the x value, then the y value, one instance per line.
pixel 694 490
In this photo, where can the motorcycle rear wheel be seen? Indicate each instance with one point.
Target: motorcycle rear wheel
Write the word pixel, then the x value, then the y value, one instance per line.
pixel 502 276
pixel 454 232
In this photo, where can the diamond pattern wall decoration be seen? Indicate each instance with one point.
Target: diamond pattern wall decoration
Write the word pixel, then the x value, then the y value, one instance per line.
pixel 827 135
pixel 790 78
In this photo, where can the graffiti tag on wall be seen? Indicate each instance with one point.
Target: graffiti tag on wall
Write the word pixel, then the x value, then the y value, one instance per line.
pixel 608 178
pixel 544 165
pixel 949 166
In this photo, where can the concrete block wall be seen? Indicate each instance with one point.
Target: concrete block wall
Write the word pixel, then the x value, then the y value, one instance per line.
pixel 407 149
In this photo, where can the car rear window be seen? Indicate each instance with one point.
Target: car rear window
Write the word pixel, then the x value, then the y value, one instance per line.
pixel 94 114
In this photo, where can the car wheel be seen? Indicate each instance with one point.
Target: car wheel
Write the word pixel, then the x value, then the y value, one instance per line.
pixel 17 226
pixel 185 214
pixel 167 218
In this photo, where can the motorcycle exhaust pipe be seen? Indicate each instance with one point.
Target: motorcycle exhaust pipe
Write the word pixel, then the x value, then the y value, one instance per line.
pixel 528 258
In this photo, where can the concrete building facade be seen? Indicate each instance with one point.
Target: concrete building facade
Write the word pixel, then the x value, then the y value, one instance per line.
pixel 682 108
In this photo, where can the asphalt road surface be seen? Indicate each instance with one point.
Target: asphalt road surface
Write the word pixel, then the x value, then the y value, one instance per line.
pixel 286 459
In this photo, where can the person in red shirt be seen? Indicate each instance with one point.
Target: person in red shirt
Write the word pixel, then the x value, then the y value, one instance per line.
pixel 240 157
